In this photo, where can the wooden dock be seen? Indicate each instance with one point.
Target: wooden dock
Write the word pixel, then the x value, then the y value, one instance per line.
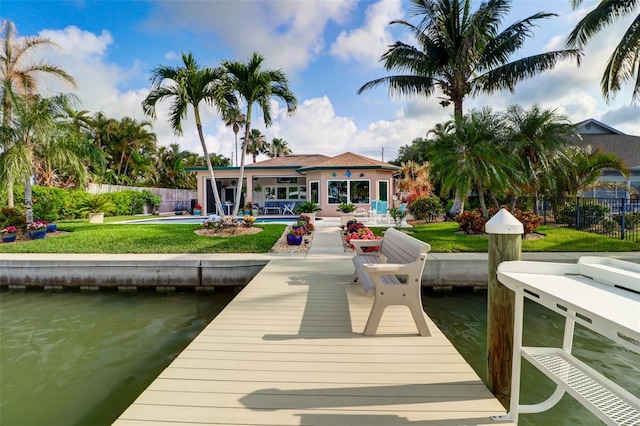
pixel 289 350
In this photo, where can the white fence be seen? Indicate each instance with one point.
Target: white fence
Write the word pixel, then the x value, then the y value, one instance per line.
pixel 169 198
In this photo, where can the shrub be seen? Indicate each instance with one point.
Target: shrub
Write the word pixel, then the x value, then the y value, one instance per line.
pixel 609 226
pixel 12 217
pixel 631 220
pixel 426 208
pixel 471 221
pixel 590 214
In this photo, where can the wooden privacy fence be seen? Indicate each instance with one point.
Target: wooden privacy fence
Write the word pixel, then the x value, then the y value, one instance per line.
pixel 169 198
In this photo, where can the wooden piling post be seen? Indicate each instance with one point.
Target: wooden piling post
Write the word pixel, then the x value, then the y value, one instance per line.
pixel 505 243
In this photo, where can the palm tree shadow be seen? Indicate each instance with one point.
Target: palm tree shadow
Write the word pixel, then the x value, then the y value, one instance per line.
pixel 326 314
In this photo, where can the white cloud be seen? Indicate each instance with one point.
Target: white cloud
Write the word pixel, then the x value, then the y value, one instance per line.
pixel 367 43
pixel 288 33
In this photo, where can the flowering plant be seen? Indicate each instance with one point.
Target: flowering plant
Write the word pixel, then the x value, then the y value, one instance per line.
pixel 363 233
pixel 9 230
pixel 226 222
pixel 298 232
pixel 37 226
pixel 248 220
pixel 197 207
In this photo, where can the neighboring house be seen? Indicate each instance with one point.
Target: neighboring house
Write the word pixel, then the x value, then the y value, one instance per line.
pixel 327 181
pixel 627 147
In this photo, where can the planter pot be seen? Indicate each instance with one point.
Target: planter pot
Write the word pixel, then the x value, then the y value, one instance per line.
pixel 8 238
pixel 294 240
pixel 52 227
pixel 197 212
pixel 312 217
pixel 38 234
pixel 96 217
pixel 255 212
pixel 246 212
pixel 346 217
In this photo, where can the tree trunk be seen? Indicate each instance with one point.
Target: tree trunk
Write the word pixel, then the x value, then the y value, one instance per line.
pixel 28 200
pixel 214 187
pixel 243 154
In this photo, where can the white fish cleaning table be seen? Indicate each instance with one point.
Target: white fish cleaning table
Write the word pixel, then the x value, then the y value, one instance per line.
pixel 599 293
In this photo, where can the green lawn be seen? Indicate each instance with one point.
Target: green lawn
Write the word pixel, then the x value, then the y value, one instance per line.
pixel 110 237
pixel 126 238
pixel 443 239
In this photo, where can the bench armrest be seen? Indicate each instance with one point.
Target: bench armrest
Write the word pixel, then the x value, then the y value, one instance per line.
pixel 384 268
pixel 360 244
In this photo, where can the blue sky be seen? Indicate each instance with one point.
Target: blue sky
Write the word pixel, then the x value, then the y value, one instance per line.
pixel 327 48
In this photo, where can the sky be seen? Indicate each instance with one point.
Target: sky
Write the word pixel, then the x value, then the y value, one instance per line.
pixel 328 49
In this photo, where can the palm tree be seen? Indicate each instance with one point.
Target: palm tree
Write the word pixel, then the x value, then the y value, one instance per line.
pixel 624 62
pixel 537 137
pixel 256 144
pixel 190 85
pixel 278 148
pixel 35 130
pixel 471 154
pixel 18 74
pixel 582 169
pixel 234 119
pixel 462 53
pixel 254 85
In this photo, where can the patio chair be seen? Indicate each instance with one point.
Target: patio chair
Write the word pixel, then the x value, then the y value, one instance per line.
pixel 382 211
pixel 271 207
pixel 288 208
pixel 361 214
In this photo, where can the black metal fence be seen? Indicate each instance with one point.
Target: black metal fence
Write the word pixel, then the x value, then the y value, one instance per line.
pixel 613 217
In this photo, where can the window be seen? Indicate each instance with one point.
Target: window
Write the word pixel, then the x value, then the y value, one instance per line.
pixel 281 193
pixel 315 193
pixel 353 191
pixel 359 191
pixel 269 193
pixel 383 190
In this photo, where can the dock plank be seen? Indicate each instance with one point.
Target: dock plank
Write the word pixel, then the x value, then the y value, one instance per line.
pixel 289 350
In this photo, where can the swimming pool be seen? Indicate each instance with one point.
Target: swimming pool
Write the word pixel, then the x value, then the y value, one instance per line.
pixel 197 220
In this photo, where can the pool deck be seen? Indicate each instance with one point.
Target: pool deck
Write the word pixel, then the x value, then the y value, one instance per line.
pixel 289 350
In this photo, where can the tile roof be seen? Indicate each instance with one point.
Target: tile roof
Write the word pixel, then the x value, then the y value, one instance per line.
pixel 349 159
pixel 292 160
pixel 626 147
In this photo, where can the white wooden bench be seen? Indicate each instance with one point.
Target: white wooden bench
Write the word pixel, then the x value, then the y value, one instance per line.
pixel 393 274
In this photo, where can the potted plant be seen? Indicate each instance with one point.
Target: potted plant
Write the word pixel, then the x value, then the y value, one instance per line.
pixel 9 234
pixel 347 210
pixel 197 210
pixel 294 237
pixel 96 206
pixel 246 210
pixel 309 208
pixel 37 230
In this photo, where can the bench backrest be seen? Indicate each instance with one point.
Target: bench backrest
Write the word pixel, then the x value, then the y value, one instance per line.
pixel 399 247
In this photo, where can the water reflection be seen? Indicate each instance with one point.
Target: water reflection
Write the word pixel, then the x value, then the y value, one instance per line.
pixel 462 316
pixel 81 358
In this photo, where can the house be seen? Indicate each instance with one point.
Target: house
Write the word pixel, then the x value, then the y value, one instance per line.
pixel 280 181
pixel 614 185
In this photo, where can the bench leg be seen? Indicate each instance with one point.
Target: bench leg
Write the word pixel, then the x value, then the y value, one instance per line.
pixel 354 280
pixel 418 317
pixel 374 319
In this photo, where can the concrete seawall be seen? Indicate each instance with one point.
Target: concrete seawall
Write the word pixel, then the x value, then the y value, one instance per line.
pixel 168 272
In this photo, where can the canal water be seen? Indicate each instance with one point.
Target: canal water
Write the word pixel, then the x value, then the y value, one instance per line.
pixel 82 358
pixel 462 317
